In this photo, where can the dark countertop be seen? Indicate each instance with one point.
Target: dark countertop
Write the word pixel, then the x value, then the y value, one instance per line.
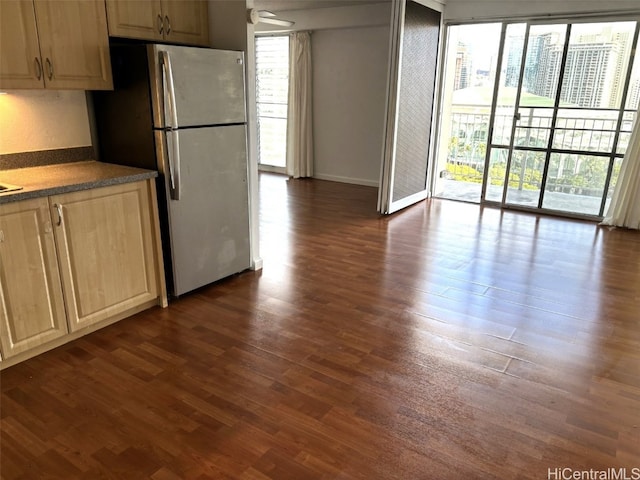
pixel 67 177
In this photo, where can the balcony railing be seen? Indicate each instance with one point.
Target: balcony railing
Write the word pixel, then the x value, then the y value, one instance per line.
pixel 581 150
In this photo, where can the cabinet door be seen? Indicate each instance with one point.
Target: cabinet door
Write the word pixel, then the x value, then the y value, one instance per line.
pixel 32 309
pixel 105 249
pixel 20 65
pixel 186 21
pixel 141 19
pixel 74 44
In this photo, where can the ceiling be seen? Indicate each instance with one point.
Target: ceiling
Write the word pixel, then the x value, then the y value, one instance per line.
pixel 282 5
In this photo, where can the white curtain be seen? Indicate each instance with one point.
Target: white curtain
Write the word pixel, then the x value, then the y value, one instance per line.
pixel 624 210
pixel 299 113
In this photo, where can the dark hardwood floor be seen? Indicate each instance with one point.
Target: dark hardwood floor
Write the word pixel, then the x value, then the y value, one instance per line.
pixel 447 341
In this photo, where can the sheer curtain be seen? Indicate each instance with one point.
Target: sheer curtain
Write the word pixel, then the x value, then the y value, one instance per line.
pixel 299 113
pixel 624 210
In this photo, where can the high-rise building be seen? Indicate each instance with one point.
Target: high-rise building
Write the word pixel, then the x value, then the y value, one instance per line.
pixel 463 67
pixel 514 57
pixel 594 71
pixel 590 71
pixel 633 95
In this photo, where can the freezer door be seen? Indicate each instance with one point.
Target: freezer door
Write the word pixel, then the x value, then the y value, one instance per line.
pixel 205 86
pixel 209 225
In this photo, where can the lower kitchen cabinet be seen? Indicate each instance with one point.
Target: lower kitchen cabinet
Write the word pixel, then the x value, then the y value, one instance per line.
pixel 31 303
pixel 75 262
pixel 104 239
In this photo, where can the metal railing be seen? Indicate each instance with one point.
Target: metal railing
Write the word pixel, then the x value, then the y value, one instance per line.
pixel 580 155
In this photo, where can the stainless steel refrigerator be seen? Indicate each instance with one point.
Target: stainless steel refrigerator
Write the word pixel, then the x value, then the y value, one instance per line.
pixel 181 111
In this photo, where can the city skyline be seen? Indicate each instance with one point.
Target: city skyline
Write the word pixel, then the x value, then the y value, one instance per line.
pixel 595 70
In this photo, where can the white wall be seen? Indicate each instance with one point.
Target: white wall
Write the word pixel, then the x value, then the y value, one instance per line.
pixel 465 10
pixel 34 120
pixel 349 93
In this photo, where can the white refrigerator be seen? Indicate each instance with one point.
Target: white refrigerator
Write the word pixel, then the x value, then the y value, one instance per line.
pixel 182 111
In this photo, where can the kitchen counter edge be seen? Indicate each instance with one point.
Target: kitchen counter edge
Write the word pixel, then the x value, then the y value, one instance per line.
pixel 50 180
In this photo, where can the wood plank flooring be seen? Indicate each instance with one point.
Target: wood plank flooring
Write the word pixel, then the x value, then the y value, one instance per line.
pixel 447 341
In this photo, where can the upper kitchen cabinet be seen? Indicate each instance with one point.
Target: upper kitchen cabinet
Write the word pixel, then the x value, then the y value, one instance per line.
pixel 175 21
pixel 20 63
pixel 52 44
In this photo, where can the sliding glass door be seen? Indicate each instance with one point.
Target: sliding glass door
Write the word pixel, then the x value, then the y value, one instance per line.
pixel 564 100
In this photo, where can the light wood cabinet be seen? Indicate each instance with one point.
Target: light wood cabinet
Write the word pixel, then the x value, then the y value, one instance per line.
pixel 76 262
pixel 175 21
pixel 53 44
pixel 20 63
pixel 31 303
pixel 106 251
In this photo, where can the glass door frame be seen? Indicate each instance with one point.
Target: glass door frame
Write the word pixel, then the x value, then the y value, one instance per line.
pixel 549 150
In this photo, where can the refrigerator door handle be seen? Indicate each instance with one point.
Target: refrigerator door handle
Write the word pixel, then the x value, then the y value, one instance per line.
pixel 173 160
pixel 170 116
pixel 171 125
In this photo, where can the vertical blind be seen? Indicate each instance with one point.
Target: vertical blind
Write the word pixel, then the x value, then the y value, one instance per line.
pixel 272 86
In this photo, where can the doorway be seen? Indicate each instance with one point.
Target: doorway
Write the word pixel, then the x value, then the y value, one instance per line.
pixel 537 116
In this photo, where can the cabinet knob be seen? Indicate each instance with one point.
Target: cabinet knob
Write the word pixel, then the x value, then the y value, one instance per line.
pixel 36 62
pixel 49 69
pixel 167 23
pixel 1 236
pixel 160 24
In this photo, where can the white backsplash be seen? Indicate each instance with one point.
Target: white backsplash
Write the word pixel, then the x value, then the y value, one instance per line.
pixel 34 120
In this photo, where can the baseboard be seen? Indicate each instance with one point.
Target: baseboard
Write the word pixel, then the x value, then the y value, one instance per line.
pixel 256 264
pixel 354 181
pixel 71 336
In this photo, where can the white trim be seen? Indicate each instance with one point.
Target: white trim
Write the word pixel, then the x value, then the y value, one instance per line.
pixel 351 180
pixel 256 264
pixel 407 201
pixel 436 5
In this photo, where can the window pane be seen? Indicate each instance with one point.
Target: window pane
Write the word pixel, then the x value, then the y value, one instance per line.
pixel 585 129
pixel 525 178
pixel 509 76
pixel 272 85
pixel 471 60
pixel 597 61
pixel 633 95
pixel 625 131
pixel 575 183
pixel 614 181
pixel 542 65
pixel 497 170
pixel 534 127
